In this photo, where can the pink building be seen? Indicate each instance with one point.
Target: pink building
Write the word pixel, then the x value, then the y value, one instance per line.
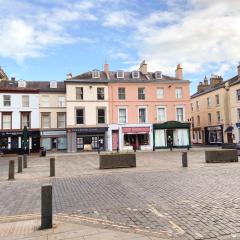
pixel 148 109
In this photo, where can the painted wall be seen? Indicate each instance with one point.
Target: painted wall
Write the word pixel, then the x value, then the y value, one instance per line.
pixel 151 102
pixel 16 109
pixel 89 103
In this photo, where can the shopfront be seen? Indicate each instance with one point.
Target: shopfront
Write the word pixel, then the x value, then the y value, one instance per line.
pixel 12 142
pixel 197 136
pixel 214 135
pixel 177 132
pixel 54 140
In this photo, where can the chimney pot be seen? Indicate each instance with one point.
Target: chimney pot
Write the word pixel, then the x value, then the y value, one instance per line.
pixel 179 72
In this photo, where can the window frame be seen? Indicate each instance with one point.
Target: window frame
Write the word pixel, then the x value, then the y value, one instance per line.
pixel 5 101
pixel 123 94
pixel 165 114
pixel 99 94
pixel 81 95
pixel 177 95
pixel 25 113
pixel 163 91
pixel 5 114
pixel 209 119
pixel 60 102
pixel 25 96
pixel 146 114
pixel 141 94
pixel 42 114
pixel 101 108
pixel 83 117
pixel 217 98
pixel 43 102
pixel 238 96
pixel 126 114
pixel 183 108
pixel 59 113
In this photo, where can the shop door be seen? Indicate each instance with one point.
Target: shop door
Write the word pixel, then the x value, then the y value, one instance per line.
pixel 14 143
pixel 169 134
pixel 35 144
pixel 80 144
pixel 95 142
pixel 229 137
pixel 115 140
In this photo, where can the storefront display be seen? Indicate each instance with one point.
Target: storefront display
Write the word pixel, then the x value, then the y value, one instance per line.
pixel 214 134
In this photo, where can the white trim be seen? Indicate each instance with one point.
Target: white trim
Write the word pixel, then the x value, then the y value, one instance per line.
pixel 158 88
pixel 133 72
pixel 145 107
pixel 165 110
pixel 180 106
pixel 123 107
pixel 121 72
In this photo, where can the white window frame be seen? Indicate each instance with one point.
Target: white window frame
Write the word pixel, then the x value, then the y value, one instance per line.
pixel 165 113
pixel 218 120
pixel 126 109
pixel 238 114
pixel 140 107
pixel 25 105
pixel 183 107
pixel 60 102
pixel 120 74
pixel 209 122
pixel 95 74
pixel 179 95
pixel 158 75
pixel 217 104
pixel 208 102
pixel 10 100
pixel 135 74
pixel 238 99
pixel 162 96
pixel 44 102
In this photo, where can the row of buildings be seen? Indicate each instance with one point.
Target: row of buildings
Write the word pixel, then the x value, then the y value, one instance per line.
pixel 106 110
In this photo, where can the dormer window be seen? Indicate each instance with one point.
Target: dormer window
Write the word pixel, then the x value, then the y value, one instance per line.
pixel 135 74
pixel 95 74
pixel 120 74
pixel 22 84
pixel 53 84
pixel 158 75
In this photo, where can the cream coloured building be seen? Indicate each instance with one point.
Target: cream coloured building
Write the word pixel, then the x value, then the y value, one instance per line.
pixel 87 111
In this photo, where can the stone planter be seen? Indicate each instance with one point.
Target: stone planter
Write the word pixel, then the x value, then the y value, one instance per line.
pixel 221 156
pixel 117 160
pixel 229 146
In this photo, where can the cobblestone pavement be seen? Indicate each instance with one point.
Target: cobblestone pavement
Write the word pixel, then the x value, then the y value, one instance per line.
pixel 158 198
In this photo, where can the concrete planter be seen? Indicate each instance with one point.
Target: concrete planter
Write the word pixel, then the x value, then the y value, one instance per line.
pixel 117 160
pixel 221 156
pixel 229 146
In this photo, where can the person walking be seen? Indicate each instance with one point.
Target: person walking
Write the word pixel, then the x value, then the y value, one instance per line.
pixel 170 142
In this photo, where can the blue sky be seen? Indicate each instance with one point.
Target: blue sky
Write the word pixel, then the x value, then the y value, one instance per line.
pixel 45 40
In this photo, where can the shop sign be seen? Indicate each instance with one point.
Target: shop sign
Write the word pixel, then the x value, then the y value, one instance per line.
pixel 20 133
pixel 50 133
pixel 89 130
pixel 214 128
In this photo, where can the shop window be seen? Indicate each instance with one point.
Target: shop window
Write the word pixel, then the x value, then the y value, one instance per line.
pixel 46 120
pixel 178 92
pixel 122 115
pixel 6 100
pixel 61 101
pixel 45 101
pixel 141 93
pixel 6 120
pixel 79 93
pixel 61 143
pixel 161 114
pixel 160 93
pixel 80 116
pixel 121 93
pixel 101 115
pixel 100 93
pixel 4 143
pixel 138 139
pixel 142 118
pixel 25 101
pixel 25 119
pixel 238 94
pixel 47 143
pixel 217 99
pixel 61 120
pixel 179 112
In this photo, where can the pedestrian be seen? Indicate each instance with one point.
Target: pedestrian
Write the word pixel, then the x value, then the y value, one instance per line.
pixel 170 142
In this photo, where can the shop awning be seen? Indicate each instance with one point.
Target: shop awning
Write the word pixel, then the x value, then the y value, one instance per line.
pixel 138 130
pixel 171 125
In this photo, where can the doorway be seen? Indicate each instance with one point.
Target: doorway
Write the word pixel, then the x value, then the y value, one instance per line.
pixel 229 137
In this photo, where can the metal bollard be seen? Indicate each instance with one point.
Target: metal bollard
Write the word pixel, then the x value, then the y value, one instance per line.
pixel 11 170
pixel 184 159
pixel 52 167
pixel 46 207
pixel 25 161
pixel 20 162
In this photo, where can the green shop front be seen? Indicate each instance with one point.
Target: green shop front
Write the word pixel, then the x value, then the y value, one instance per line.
pixel 178 132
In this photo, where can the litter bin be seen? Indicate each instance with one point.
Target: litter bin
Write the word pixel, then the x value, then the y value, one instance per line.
pixel 42 152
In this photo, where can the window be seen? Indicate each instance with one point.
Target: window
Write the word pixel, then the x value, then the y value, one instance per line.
pixel 238 114
pixel 161 114
pixel 61 120
pixel 141 93
pixel 80 116
pixel 158 74
pixel 6 120
pixel 192 107
pixel 101 115
pixel 208 102
pixel 178 92
pixel 95 74
pixel 238 94
pixel 45 101
pixel 142 115
pixel 179 113
pixel 217 99
pixel 121 93
pixel 160 93
pixel 120 74
pixel 100 93
pixel 25 101
pixel 209 118
pixel 25 120
pixel 193 122
pixel 46 120
pixel 6 100
pixel 61 101
pixel 135 74
pixel 197 106
pixel 122 115
pixel 198 120
pixel 218 117
pixel 79 93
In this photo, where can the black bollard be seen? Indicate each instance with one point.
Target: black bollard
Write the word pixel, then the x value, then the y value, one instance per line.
pixel 25 161
pixel 11 170
pixel 52 167
pixel 184 159
pixel 20 162
pixel 46 207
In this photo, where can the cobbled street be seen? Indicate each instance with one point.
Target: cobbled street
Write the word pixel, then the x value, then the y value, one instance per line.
pixel 158 198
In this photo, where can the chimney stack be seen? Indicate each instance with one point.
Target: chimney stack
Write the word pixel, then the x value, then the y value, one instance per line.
pixel 106 67
pixel 214 80
pixel 143 67
pixel 179 72
pixel 69 76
